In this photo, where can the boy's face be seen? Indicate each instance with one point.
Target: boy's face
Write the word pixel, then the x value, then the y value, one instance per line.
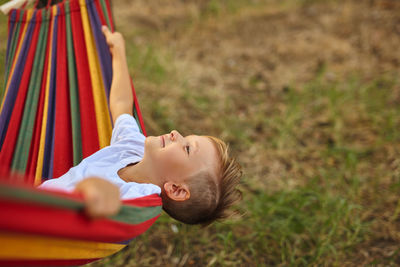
pixel 176 158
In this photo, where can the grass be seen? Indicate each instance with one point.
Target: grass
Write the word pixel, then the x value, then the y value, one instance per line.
pixel 303 226
pixel 145 59
pixel 320 159
pixel 320 221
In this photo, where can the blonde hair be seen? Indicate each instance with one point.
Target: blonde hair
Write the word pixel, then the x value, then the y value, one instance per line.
pixel 210 198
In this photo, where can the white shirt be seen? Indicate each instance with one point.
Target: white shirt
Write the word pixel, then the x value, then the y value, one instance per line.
pixel 127 146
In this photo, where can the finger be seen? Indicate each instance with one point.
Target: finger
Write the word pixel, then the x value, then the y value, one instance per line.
pixel 113 207
pixel 100 207
pixel 105 29
pixel 113 204
pixel 93 204
pixel 97 210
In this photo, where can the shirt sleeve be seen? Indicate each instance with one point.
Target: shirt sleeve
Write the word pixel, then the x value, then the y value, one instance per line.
pixel 126 130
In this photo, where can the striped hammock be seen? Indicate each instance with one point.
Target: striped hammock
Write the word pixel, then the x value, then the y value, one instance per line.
pixel 54 108
pixel 54 112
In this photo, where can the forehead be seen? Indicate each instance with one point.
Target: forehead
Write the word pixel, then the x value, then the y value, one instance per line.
pixel 200 140
pixel 204 149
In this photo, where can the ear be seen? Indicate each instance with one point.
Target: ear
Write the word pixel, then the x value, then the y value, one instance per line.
pixel 177 192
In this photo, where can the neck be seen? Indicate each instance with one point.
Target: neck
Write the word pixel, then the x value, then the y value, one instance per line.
pixel 139 173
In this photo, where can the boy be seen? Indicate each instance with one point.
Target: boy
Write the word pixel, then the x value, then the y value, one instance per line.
pixel 194 175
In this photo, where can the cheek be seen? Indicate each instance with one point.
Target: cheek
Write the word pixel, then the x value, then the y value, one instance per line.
pixel 170 160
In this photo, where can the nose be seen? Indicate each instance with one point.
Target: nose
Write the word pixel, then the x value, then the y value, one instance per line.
pixel 176 136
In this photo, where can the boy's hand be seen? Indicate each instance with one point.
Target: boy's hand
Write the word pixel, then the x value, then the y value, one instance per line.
pixel 121 95
pixel 114 40
pixel 102 198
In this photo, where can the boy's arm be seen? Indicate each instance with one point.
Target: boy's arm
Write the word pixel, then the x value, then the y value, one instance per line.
pixel 121 96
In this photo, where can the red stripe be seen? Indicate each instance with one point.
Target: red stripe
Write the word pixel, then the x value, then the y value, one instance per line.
pixel 10 140
pixel 45 262
pixel 63 135
pixel 90 139
pixel 52 221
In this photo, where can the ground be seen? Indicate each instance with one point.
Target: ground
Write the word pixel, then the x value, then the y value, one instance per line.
pixel 307 94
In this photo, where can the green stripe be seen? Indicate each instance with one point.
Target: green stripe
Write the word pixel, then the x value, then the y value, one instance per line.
pixel 135 114
pixel 21 152
pixel 105 12
pixel 136 215
pixel 127 214
pixel 73 92
pixel 13 45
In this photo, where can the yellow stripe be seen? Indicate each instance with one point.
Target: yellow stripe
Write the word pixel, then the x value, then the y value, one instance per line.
pixel 24 247
pixel 102 115
pixel 39 165
pixel 29 15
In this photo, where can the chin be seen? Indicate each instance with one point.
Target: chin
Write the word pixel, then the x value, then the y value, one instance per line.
pixel 151 142
pixel 148 141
